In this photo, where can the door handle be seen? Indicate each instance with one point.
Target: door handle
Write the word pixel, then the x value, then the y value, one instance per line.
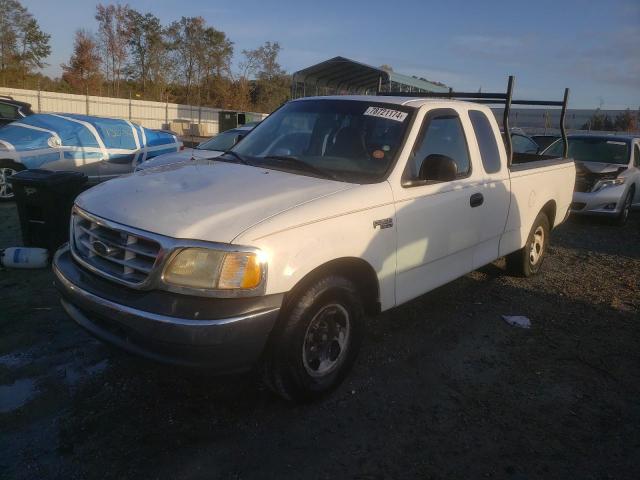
pixel 476 200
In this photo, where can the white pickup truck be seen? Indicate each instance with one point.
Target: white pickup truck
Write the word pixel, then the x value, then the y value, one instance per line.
pixel 332 209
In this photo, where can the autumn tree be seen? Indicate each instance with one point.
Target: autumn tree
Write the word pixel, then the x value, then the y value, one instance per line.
pixel 200 53
pixel 23 45
pixel 626 121
pixel 271 81
pixel 599 121
pixel 83 70
pixel 113 31
pixel 216 65
pixel 148 49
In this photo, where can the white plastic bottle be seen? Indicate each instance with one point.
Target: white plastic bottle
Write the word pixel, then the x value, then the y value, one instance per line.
pixel 24 257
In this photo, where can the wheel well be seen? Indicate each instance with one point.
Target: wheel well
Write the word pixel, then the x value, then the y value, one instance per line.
pixel 549 210
pixel 11 161
pixel 359 271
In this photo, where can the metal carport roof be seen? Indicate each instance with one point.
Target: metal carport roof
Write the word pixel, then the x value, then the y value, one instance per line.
pixel 344 75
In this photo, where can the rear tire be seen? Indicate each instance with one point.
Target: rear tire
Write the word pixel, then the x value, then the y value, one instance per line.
pixel 7 168
pixel 316 341
pixel 623 216
pixel 528 260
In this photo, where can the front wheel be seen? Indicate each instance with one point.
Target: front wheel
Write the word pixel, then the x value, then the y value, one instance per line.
pixel 7 168
pixel 528 260
pixel 623 216
pixel 317 340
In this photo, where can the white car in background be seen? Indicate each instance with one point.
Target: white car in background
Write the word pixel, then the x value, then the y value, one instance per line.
pixel 212 148
pixel 607 174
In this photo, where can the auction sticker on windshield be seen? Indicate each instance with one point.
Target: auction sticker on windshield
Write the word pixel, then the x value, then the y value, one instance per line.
pixel 396 115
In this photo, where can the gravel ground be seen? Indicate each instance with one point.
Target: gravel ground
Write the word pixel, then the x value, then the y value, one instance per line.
pixel 443 387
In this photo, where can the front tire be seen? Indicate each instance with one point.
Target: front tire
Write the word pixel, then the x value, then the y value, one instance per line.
pixel 528 260
pixel 623 216
pixel 7 168
pixel 317 340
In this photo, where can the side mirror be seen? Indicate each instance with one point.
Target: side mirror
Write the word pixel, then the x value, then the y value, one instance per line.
pixel 439 168
pixel 239 137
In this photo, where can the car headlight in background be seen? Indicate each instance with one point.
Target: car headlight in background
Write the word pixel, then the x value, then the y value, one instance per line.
pixel 209 269
pixel 614 182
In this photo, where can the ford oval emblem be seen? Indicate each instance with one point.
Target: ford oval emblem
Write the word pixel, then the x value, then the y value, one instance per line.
pixel 101 248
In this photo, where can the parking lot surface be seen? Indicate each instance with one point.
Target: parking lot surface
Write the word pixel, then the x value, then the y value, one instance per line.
pixel 443 387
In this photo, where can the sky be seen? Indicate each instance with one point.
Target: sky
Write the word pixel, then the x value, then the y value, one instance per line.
pixel 592 47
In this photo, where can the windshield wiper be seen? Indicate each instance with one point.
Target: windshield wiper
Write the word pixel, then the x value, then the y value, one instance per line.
pixel 233 154
pixel 294 161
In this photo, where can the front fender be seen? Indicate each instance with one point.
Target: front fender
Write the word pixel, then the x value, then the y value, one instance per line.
pixel 298 241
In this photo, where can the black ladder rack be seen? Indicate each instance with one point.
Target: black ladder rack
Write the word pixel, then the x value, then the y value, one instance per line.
pixel 505 99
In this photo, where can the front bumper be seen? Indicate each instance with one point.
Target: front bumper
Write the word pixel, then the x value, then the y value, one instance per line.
pixel 224 335
pixel 600 202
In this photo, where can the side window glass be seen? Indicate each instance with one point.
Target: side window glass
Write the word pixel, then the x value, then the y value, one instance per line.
pixel 486 141
pixel 522 144
pixel 443 135
pixel 636 160
pixel 8 111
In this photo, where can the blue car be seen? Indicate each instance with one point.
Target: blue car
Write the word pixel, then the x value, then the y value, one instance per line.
pixel 100 147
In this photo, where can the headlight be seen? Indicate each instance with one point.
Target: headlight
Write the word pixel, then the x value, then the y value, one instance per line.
pixel 614 182
pixel 214 269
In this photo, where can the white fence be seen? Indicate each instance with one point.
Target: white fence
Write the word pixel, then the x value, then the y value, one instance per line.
pixel 183 119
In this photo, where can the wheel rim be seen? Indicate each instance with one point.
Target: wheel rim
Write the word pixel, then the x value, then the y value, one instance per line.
pixel 6 190
pixel 627 208
pixel 326 340
pixel 537 246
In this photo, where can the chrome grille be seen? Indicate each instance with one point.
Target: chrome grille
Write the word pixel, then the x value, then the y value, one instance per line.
pixel 115 253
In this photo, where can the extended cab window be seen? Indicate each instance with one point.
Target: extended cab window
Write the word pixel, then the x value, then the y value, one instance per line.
pixel 442 135
pixel 486 141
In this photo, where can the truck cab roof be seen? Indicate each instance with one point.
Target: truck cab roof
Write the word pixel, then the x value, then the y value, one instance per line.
pixel 416 102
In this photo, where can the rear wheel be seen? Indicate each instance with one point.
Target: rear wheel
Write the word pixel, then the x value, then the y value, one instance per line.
pixel 7 168
pixel 528 260
pixel 623 216
pixel 317 341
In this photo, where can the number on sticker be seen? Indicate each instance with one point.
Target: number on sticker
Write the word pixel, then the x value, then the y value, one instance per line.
pixel 396 115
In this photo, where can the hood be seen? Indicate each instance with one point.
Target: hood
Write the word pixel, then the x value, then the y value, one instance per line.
pixel 600 168
pixel 181 156
pixel 211 201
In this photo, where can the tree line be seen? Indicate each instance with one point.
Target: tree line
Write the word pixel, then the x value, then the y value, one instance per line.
pixel 626 121
pixel 134 53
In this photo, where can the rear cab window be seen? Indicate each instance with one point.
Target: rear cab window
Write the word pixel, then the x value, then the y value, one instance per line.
pixel 486 139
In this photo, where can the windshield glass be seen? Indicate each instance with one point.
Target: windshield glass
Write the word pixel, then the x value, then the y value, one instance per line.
pixel 596 149
pixel 348 140
pixel 221 142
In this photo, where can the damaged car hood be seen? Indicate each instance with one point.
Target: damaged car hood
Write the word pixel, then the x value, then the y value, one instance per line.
pixel 600 168
pixel 202 200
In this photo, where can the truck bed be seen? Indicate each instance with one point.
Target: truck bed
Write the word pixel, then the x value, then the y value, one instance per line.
pixel 526 161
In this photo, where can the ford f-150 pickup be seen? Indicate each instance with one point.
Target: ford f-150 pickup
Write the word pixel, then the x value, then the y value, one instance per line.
pixel 332 209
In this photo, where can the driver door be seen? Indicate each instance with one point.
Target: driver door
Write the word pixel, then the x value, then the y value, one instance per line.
pixel 435 235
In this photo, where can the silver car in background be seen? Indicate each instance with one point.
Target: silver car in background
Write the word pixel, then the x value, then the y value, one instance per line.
pixel 608 174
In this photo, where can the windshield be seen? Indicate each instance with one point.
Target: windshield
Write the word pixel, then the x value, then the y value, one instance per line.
pixel 221 142
pixel 348 140
pixel 596 149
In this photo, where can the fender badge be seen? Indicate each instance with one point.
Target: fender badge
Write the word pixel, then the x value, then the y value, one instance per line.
pixel 383 223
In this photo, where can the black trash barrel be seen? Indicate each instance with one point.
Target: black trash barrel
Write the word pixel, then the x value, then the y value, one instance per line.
pixel 44 199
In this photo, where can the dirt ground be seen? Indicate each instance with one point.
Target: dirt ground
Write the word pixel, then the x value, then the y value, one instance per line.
pixel 443 387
